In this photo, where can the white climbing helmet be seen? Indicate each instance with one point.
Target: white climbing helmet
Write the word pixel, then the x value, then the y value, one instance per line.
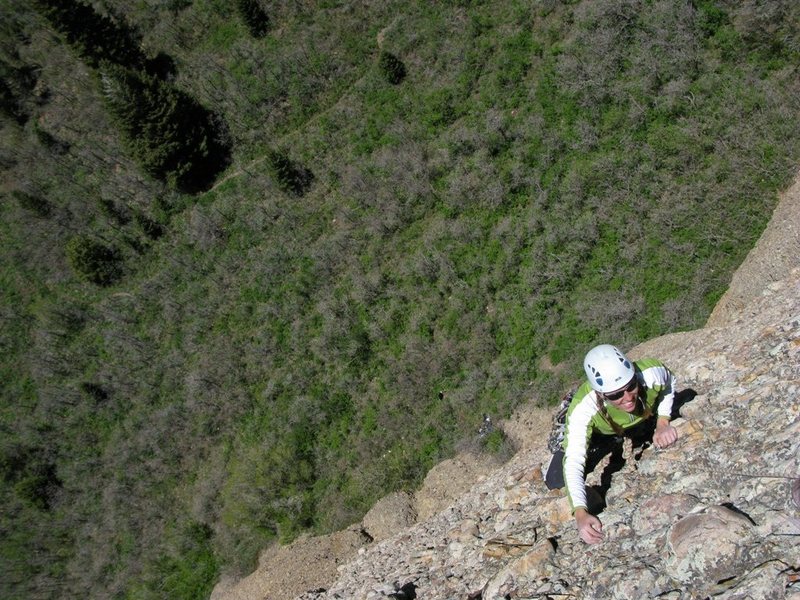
pixel 607 368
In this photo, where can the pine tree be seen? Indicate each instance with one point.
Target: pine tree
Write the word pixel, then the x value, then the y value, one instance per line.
pixel 392 68
pixel 16 85
pixel 254 17
pixel 35 204
pixel 168 133
pixel 290 177
pixel 94 261
pixel 95 37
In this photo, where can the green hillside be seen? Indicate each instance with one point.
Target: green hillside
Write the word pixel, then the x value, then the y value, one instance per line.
pixel 264 262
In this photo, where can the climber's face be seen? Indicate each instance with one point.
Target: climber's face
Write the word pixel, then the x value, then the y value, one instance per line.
pixel 625 397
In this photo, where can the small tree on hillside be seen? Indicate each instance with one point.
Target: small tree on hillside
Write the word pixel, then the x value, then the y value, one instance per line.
pixel 254 17
pixel 95 37
pixel 94 261
pixel 290 177
pixel 168 133
pixel 391 67
pixel 16 84
pixel 35 204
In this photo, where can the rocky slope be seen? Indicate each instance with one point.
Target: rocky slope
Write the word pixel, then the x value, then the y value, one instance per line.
pixel 311 562
pixel 774 255
pixel 716 515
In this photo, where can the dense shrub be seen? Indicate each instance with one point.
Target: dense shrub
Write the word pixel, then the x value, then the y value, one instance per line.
pixel 498 444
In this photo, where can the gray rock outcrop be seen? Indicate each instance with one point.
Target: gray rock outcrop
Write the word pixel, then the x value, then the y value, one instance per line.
pixel 775 254
pixel 389 515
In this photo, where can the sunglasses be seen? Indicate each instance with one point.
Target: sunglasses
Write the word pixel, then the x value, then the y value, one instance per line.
pixel 632 385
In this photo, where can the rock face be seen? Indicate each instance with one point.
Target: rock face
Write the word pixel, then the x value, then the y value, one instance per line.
pixel 717 514
pixel 712 515
pixel 389 515
pixel 774 255
pixel 281 568
pixel 311 562
pixel 707 546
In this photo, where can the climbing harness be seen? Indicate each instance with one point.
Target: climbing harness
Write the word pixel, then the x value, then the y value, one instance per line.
pixel 558 429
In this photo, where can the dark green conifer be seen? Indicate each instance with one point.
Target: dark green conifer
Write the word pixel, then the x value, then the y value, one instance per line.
pixel 94 261
pixel 168 133
pixel 290 177
pixel 95 37
pixel 49 141
pixel 32 474
pixel 150 227
pixel 254 17
pixel 35 204
pixel 392 68
pixel 16 85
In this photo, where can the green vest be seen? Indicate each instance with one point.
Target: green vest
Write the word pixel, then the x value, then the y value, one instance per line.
pixel 625 420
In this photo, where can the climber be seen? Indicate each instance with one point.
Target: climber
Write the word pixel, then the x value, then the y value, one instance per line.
pixel 617 401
